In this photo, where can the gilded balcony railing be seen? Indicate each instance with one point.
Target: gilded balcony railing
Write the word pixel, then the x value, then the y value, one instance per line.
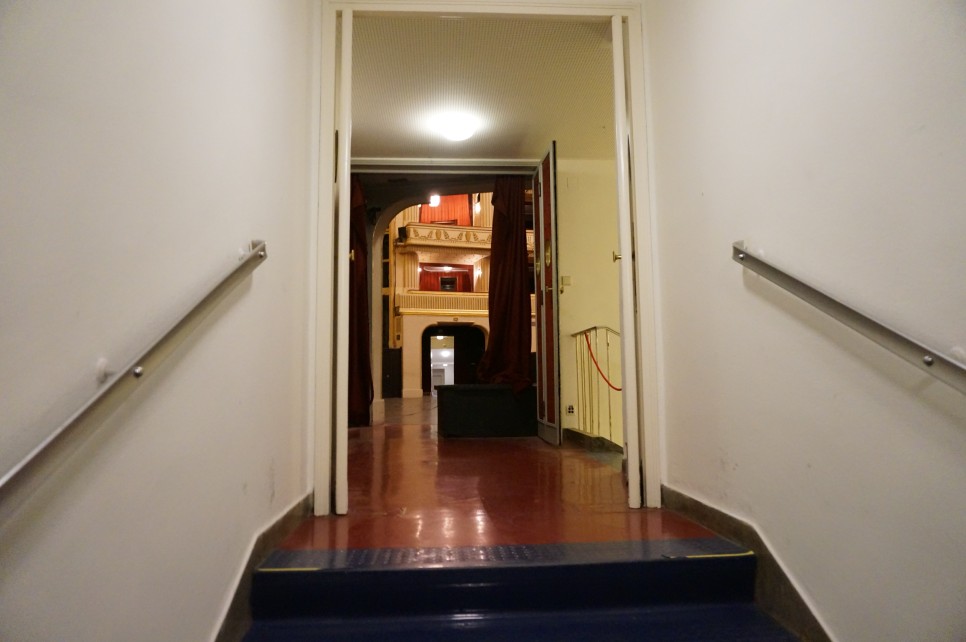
pixel 449 236
pixel 445 303
pixel 429 236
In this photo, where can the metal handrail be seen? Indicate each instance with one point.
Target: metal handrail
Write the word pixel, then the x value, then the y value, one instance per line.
pixel 122 383
pixel 597 395
pixel 596 327
pixel 923 357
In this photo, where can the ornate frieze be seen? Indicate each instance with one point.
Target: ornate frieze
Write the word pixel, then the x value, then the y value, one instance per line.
pixel 448 236
pixel 415 237
pixel 445 303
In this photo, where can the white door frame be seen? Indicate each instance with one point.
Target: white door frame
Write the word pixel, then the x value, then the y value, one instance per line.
pixel 638 325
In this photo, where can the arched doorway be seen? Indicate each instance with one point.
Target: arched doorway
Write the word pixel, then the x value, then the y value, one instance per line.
pixel 450 354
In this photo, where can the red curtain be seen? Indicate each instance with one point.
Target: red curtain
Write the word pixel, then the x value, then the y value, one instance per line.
pixel 507 356
pixel 451 209
pixel 429 278
pixel 360 366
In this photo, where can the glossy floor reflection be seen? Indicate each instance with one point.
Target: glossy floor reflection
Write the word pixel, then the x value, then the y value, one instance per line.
pixel 409 488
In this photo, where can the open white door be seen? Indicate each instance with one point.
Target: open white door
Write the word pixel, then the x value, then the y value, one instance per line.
pixel 340 450
pixel 629 357
pixel 332 319
pixel 640 240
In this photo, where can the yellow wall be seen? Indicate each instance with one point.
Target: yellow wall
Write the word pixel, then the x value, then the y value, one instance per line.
pixel 586 237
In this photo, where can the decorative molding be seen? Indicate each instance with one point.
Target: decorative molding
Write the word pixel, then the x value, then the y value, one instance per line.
pixel 471 301
pixel 507 7
pixel 774 591
pixel 433 243
pixel 446 165
pixel 445 303
pixel 446 236
pixel 425 312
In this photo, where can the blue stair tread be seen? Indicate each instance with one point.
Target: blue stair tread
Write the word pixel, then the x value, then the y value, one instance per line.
pixel 370 559
pixel 360 583
pixel 670 623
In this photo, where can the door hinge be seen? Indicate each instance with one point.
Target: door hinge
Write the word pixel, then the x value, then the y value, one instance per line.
pixel 335 158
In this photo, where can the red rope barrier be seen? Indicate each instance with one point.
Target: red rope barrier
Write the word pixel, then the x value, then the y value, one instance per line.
pixel 594 359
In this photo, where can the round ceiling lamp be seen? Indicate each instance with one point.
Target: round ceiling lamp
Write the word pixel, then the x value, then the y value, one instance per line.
pixel 454 125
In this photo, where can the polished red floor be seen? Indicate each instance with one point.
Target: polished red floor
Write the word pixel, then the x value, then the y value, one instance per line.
pixel 409 488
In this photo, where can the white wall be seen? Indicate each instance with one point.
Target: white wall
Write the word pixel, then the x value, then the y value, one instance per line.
pixel 141 145
pixel 831 136
pixel 587 237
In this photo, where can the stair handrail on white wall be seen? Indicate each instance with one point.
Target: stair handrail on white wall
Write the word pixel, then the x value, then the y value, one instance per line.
pixel 118 385
pixel 919 355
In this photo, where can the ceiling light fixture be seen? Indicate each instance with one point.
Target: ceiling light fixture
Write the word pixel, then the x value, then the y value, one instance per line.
pixel 454 125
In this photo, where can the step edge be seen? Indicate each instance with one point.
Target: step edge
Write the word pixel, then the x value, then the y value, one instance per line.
pixel 775 593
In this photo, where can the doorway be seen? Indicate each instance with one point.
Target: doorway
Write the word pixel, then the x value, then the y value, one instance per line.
pixel 450 354
pixel 639 365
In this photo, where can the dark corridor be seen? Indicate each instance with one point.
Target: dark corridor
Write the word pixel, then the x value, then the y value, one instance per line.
pixel 469 343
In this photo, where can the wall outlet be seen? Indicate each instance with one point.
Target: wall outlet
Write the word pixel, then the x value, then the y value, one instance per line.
pixel 570 409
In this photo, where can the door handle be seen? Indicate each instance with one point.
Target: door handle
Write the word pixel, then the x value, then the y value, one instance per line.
pixel 615 256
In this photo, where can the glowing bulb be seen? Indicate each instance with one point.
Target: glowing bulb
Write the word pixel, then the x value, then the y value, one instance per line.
pixel 447 268
pixel 453 125
pixel 434 200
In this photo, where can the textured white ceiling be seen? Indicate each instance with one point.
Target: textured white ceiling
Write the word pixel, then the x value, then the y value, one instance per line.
pixel 529 80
